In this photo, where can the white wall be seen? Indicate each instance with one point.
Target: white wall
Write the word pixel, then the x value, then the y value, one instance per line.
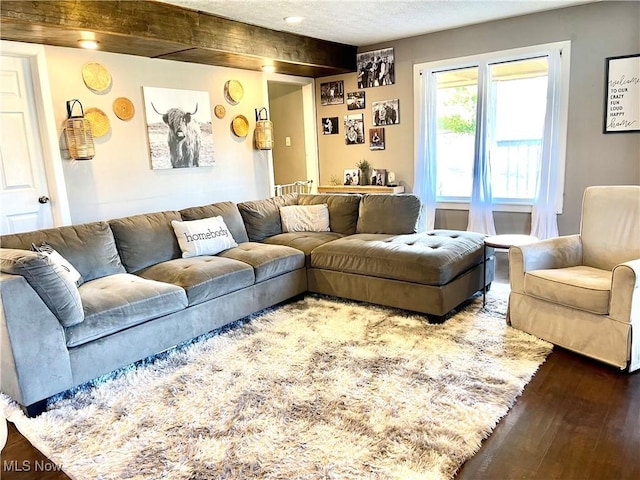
pixel 119 180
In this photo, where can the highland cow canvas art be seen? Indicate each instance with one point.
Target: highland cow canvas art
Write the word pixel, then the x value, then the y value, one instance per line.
pixel 178 128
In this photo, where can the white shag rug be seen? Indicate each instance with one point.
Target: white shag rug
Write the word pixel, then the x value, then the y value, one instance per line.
pixel 316 389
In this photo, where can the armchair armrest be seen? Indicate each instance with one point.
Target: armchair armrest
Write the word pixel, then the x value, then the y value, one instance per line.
pixel 624 305
pixel 33 351
pixel 559 252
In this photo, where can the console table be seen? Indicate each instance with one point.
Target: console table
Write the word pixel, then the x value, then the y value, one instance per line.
pixel 359 189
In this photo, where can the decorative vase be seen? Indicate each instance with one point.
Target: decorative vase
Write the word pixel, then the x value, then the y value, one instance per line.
pixel 364 177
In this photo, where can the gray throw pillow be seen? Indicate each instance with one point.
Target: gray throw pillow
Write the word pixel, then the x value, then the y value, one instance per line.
pixel 262 217
pixel 48 280
pixel 392 214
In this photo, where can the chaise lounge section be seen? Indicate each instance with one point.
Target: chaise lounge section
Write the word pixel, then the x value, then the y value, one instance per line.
pixel 138 295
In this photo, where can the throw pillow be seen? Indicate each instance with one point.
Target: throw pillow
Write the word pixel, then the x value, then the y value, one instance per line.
pixel 203 237
pixel 68 270
pixel 49 280
pixel 305 218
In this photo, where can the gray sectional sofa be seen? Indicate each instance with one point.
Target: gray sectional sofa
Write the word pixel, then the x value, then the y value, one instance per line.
pixel 138 296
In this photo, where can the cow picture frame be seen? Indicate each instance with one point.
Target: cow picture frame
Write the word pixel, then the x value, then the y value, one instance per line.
pixel 179 129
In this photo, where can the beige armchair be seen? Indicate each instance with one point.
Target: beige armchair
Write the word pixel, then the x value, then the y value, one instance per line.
pixel 582 292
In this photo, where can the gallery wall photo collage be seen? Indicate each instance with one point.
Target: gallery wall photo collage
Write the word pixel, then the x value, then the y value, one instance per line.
pixel 374 69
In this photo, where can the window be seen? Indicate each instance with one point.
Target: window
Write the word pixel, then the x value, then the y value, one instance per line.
pixel 505 109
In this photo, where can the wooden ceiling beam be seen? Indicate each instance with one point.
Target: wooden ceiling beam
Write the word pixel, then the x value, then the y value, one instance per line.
pixel 158 30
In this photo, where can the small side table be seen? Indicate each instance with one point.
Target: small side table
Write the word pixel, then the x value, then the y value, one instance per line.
pixel 502 242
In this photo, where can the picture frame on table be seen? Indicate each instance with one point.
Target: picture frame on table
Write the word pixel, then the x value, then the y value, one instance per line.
pixel 379 178
pixel 351 177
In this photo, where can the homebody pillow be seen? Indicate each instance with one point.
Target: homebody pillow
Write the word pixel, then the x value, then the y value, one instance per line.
pixel 203 237
pixel 305 218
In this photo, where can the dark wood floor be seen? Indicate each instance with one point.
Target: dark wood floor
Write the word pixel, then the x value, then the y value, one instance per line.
pixel 577 419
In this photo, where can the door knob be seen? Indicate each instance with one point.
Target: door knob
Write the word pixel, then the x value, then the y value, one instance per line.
pixel 43 199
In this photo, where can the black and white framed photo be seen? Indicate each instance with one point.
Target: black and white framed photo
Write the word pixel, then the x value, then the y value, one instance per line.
pixel 376 138
pixel 332 93
pixel 354 129
pixel 376 68
pixel 386 112
pixel 379 178
pixel 355 100
pixel 330 126
pixel 622 94
pixel 178 128
pixel 351 177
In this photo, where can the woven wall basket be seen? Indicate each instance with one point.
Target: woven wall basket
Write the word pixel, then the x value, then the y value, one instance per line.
pixel 77 134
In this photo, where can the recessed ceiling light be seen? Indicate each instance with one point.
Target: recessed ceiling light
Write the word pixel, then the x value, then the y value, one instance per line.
pixel 268 68
pixel 88 43
pixel 293 19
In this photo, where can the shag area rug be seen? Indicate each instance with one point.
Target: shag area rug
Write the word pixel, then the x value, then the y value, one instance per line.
pixel 316 389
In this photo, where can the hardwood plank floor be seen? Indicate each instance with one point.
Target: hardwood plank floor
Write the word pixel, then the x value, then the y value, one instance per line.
pixel 577 419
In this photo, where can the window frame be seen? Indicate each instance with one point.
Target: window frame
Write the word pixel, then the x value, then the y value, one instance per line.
pixel 487 58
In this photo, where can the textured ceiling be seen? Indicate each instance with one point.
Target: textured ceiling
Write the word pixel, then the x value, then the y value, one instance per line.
pixel 360 23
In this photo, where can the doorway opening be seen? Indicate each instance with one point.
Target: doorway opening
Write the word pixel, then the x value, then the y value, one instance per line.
pixel 292 111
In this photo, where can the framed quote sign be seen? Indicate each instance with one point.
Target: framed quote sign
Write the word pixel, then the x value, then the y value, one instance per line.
pixel 622 94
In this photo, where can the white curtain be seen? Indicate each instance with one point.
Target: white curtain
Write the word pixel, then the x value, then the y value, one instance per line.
pixel 480 209
pixel 425 161
pixel 544 222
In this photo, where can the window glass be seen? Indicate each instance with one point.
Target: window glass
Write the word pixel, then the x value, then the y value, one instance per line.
pixel 518 93
pixel 513 132
pixel 456 102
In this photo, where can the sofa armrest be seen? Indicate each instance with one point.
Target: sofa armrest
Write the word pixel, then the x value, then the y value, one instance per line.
pixel 559 252
pixel 33 352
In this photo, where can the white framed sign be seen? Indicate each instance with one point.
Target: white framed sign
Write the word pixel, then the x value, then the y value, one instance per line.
pixel 622 94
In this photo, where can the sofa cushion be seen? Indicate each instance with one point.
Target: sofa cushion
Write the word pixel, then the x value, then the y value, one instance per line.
pixel 262 217
pixel 268 261
pixel 68 270
pixel 90 247
pixel 227 210
pixel 343 210
pixel 303 241
pixel 207 236
pixel 433 258
pixel 582 288
pixel 203 278
pixel 305 218
pixel 49 281
pixel 116 302
pixel 147 239
pixel 397 214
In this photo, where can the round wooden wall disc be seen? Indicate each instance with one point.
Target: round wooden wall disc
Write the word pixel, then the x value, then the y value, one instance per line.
pixel 99 121
pixel 123 108
pixel 240 125
pixel 96 77
pixel 220 111
pixel 233 91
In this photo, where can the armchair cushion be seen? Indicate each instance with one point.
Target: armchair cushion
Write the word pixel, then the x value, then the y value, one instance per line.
pixel 583 288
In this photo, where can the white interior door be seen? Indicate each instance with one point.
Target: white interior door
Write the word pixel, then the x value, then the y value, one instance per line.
pixel 24 195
